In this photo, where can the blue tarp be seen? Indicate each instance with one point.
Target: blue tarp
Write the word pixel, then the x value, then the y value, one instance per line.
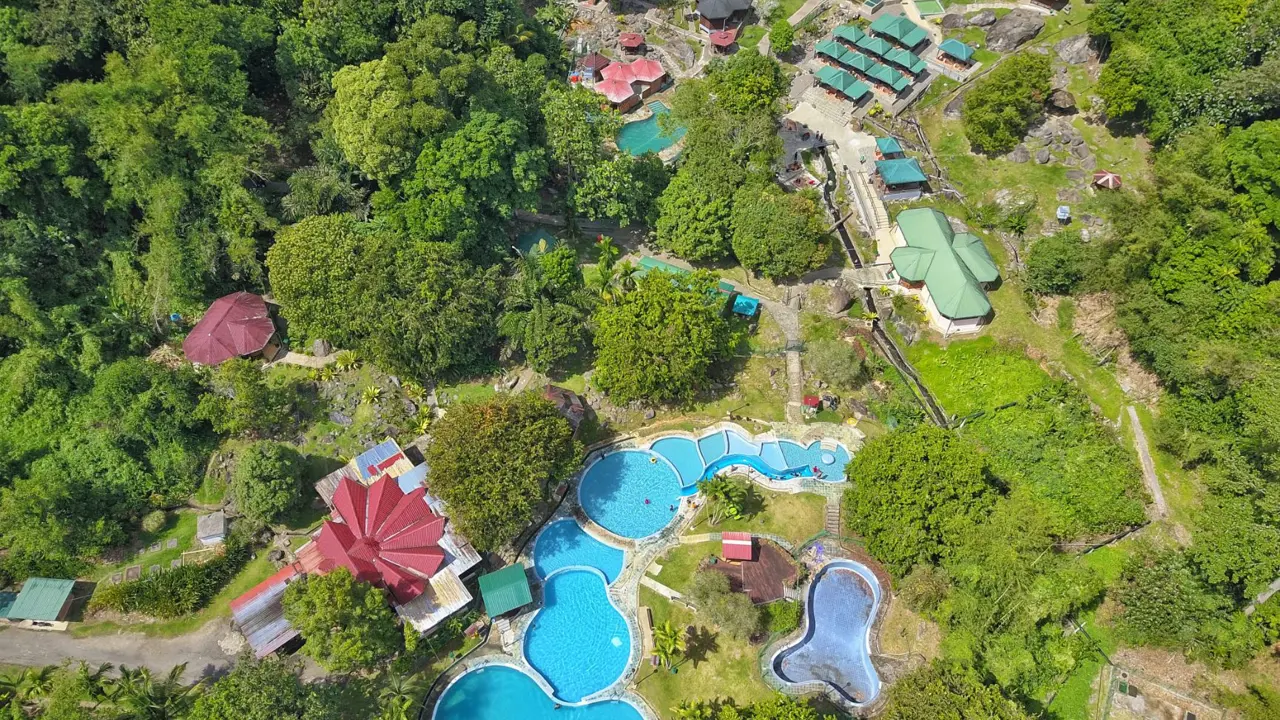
pixel 374 456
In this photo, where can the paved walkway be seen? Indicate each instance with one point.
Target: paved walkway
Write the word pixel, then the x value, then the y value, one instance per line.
pixel 1148 466
pixel 663 590
pixel 200 650
pixel 311 361
pixel 913 14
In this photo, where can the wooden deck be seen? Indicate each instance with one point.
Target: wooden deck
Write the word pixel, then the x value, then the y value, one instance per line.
pixel 762 579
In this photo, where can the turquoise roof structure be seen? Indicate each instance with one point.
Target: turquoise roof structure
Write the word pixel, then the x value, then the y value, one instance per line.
pixel 952 266
pixel 849 33
pixel 889 76
pixel 842 82
pixel 41 599
pixel 957 49
pixel 906 60
pixel 900 171
pixel 899 29
pixel 887 145
pixel 874 45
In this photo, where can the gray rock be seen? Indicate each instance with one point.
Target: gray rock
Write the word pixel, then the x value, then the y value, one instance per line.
pixel 153 569
pixel 1077 139
pixel 953 21
pixel 1062 101
pixel 955 108
pixel 1089 163
pixel 649 414
pixel 1075 174
pixel 1067 195
pixel 1043 156
pixel 1080 151
pixel 1019 154
pixel 394 380
pixel 1014 30
pixel 839 300
pixel 275 555
pixel 1074 50
pixel 340 418
pixel 171 543
pixel 983 19
pixel 321 348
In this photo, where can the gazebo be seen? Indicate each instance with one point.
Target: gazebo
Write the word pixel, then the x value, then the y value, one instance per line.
pixel 842 82
pixel 649 74
pixel 631 42
pixel 235 325
pixel 722 40
pixel 737 546
pixel 505 590
pixel 1107 180
pixel 592 64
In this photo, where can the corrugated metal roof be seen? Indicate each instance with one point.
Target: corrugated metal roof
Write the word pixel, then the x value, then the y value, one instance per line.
pixel 259 613
pixel 373 462
pixel 41 599
pixel 955 289
pixel 505 590
pixel 737 546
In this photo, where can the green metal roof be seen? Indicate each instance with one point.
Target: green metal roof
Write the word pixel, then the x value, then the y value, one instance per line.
pixel 842 81
pixel 906 60
pixel 874 45
pixel 859 62
pixel 889 76
pixel 41 599
pixel 899 28
pixel 888 145
pixel 957 49
pixel 941 259
pixel 6 602
pixel 900 171
pixel 830 48
pixel 849 33
pixel 505 590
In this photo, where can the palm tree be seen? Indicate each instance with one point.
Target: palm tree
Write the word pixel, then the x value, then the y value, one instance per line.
pixel 668 643
pixel 399 696
pixel 622 280
pixel 101 688
pixel 149 699
pixel 692 710
pixel 724 498
pixel 23 689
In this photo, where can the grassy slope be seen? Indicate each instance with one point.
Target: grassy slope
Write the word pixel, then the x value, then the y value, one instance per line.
pixel 796 517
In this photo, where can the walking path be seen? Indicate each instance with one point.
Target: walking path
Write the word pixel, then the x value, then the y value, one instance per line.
pixel 1148 466
pixel 975 7
pixel 659 588
pixel 200 650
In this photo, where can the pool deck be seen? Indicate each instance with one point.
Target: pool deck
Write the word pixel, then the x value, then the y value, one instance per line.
pixel 623 592
pixel 763 579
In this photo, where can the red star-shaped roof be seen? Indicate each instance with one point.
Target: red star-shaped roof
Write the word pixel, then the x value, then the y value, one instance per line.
pixel 387 537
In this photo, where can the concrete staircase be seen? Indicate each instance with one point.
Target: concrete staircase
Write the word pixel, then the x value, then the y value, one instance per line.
pixel 833 515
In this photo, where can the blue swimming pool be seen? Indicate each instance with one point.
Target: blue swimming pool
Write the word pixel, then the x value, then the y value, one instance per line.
pixel 778 459
pixel 645 135
pixel 503 693
pixel 565 544
pixel 614 489
pixel 835 648
pixel 578 641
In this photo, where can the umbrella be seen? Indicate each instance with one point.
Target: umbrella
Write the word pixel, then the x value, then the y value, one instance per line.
pixel 236 324
pixel 1106 179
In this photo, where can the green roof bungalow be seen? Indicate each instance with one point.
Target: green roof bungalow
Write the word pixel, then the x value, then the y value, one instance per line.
pixel 888 148
pixel 42 604
pixel 908 62
pixel 951 271
pixel 900 30
pixel 891 80
pixel 848 34
pixel 505 590
pixel 956 54
pixel 876 46
pixel 842 83
pixel 900 179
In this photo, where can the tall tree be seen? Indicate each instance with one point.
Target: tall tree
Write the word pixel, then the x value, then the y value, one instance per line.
pixel 346 623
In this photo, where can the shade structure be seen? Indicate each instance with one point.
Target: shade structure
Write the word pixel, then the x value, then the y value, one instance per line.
pixel 593 62
pixel 1106 179
pixel 618 71
pixel 646 70
pixel 235 325
pixel 723 38
pixel 630 40
pixel 615 90
pixel 505 590
pixel 842 82
pixel 737 546
pixel 387 537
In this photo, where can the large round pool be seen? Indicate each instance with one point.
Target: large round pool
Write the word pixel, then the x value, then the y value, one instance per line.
pixel 503 693
pixel 578 641
pixel 631 493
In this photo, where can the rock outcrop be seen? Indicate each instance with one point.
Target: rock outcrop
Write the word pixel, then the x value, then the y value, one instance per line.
pixel 1075 50
pixel 1014 30
pixel 983 19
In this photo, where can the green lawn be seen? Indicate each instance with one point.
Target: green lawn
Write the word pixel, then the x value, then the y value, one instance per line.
pixel 180 526
pixel 723 669
pixel 976 374
pixel 682 561
pixel 751 36
pixel 794 516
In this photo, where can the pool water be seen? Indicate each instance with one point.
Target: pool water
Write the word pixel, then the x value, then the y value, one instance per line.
pixel 777 459
pixel 578 641
pixel 503 693
pixel 834 649
pixel 614 489
pixel 798 455
pixel 565 544
pixel 642 136
pixel 683 453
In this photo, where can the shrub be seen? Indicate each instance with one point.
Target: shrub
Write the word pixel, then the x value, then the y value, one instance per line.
pixel 153 522
pixel 1000 107
pixel 781 36
pixel 732 612
pixel 838 363
pixel 782 617
pixel 173 592
pixel 267 480
pixel 1057 264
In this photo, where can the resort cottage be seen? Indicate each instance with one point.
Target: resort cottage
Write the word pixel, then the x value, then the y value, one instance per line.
pixel 592 64
pixel 955 54
pixel 624 84
pixel 900 179
pixel 948 271
pixel 717 14
pixel 900 31
pixel 42 604
pixel 388 530
pixel 235 325
pixel 888 148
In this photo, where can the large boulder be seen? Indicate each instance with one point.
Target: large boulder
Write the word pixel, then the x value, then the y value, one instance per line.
pixel 1062 101
pixel 839 300
pixel 983 19
pixel 954 21
pixel 1043 156
pixel 955 108
pixel 1019 154
pixel 1075 49
pixel 1014 30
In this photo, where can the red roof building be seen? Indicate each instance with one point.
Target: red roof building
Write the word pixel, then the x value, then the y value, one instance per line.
pixel 619 71
pixel 618 92
pixel 631 41
pixel 723 39
pixel 387 537
pixel 593 64
pixel 737 546
pixel 647 71
pixel 234 326
pixel 812 401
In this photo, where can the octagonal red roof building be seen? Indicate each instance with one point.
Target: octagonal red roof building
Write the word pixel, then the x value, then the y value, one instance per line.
pixel 387 537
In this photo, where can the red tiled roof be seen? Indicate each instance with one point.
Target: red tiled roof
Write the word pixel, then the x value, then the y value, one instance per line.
pixel 630 40
pixel 387 537
pixel 646 70
pixel 235 325
pixel 737 546
pixel 615 90
pixel 724 38
pixel 594 61
pixel 619 71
